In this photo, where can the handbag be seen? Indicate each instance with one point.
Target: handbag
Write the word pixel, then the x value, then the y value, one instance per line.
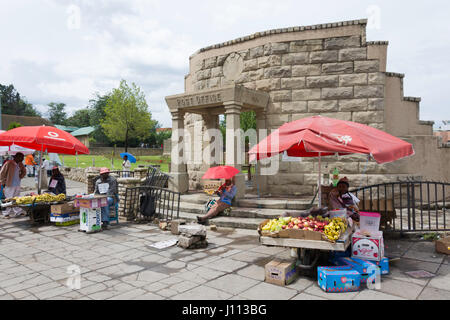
pixel 147 205
pixel 209 204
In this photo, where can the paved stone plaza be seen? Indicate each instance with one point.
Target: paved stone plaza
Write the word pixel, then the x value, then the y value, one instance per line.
pixel 120 264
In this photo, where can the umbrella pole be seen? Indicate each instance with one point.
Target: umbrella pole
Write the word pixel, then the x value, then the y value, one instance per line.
pixel 40 170
pixel 320 182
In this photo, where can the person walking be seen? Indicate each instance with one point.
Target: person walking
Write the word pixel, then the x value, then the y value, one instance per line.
pixel 46 165
pixel 11 174
pixel 30 163
pixel 126 166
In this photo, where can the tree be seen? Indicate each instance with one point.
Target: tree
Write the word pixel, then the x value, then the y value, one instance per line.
pixel 57 114
pixel 97 115
pixel 13 103
pixel 14 124
pixel 80 118
pixel 127 114
pixel 247 120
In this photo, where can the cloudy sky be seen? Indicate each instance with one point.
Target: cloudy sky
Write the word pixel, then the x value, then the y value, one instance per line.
pixel 67 50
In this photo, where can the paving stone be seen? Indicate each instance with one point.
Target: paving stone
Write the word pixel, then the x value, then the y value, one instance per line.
pixel 151 276
pixel 101 295
pixel 403 289
pixel 167 293
pixel 301 284
pixel 202 293
pixel 136 293
pixel 231 283
pixel 200 275
pixel 305 296
pixel 367 294
pixel 88 290
pixel 434 294
pixel 182 286
pixel 316 291
pixel 253 272
pixel 53 292
pixel 442 279
pixel 148 296
pixel 226 265
pixel 267 291
pixel 429 256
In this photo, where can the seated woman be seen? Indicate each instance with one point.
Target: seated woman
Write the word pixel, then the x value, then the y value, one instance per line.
pixel 57 183
pixel 340 198
pixel 227 191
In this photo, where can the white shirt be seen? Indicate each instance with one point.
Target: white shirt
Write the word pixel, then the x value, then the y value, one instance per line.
pixel 126 165
pixel 46 165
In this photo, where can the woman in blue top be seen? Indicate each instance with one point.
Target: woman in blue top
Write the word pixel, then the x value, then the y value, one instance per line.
pixel 227 191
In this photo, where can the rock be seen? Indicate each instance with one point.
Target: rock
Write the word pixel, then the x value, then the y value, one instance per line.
pixel 175 224
pixel 193 229
pixel 213 227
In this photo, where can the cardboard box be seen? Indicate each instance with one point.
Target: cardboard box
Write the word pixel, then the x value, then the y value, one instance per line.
pixel 368 247
pixel 338 279
pixel 281 272
pixel 90 219
pixel 68 223
pixel 365 268
pixel 92 203
pixel 443 245
pixel 264 233
pixel 383 265
pixel 64 208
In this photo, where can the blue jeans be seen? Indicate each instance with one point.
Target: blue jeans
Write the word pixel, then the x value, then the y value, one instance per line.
pixel 106 210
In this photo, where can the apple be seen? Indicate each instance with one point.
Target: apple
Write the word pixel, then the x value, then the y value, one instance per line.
pixel 283 227
pixel 295 227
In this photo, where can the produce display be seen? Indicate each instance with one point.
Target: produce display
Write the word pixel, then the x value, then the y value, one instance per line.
pixel 46 197
pixel 332 229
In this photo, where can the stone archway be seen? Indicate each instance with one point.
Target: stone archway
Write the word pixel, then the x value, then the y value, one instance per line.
pixel 230 101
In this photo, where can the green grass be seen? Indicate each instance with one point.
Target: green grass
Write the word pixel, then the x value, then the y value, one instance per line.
pixel 85 161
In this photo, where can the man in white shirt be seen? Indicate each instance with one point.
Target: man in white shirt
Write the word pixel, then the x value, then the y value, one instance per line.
pixel 126 166
pixel 47 166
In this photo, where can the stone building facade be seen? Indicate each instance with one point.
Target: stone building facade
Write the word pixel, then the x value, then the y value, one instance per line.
pixel 329 70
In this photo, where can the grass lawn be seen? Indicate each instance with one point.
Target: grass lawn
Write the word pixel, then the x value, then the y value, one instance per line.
pixel 85 161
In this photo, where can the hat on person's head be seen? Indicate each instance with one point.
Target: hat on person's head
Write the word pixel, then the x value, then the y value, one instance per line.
pixel 345 181
pixel 104 170
pixel 55 167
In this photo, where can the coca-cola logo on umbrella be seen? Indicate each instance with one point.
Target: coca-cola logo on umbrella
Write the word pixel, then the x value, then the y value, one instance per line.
pixel 54 135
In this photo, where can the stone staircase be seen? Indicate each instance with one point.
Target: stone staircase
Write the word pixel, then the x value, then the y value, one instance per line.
pixel 248 213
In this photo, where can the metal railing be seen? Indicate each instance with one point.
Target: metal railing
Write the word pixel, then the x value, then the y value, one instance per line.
pixel 156 178
pixel 145 203
pixel 409 206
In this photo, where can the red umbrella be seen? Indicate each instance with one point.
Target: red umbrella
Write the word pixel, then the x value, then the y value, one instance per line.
pixel 322 136
pixel 43 138
pixel 220 172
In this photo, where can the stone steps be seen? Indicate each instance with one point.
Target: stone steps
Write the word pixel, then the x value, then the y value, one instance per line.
pixel 225 222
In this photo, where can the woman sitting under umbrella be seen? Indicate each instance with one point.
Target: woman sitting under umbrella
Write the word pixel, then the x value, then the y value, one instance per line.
pixel 227 191
pixel 57 183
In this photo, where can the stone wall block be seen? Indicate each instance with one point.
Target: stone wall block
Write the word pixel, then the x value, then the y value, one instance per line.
pixel 268 84
pixel 293 83
pixel 210 63
pixel 342 42
pixel 301 167
pixel 337 93
pixel 367 117
pixel 279 48
pixel 306 70
pixel 373 91
pixel 353 105
pixel 337 68
pixel 352 54
pixel 306 45
pixel 322 82
pixel 278 72
pixel 376 78
pixel 216 72
pixel 322 106
pixel 305 94
pixel 353 79
pixel 269 61
pixel 256 52
pixel 250 65
pixel 294 106
pixel 221 59
pixel 346 116
pixel 214 83
pixel 281 95
pixel 376 104
pixel 204 74
pixel 323 56
pixel 367 66
pixel 295 58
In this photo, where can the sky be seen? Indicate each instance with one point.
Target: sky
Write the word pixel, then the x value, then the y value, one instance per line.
pixel 69 50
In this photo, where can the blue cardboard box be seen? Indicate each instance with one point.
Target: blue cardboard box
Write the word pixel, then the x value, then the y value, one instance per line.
pixel 383 264
pixel 365 268
pixel 338 279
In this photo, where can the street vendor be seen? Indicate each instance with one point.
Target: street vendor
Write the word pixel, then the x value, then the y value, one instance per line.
pixel 13 171
pixel 30 164
pixel 57 183
pixel 106 185
pixel 340 198
pixel 227 192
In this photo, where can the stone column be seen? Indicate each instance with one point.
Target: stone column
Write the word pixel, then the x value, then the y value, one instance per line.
pixel 210 158
pixel 179 178
pixel 125 209
pixel 260 181
pixel 140 173
pixel 234 146
pixel 90 175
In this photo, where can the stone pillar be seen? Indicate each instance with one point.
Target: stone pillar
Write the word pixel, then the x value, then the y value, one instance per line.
pixel 214 156
pixel 234 146
pixel 179 178
pixel 125 209
pixel 260 181
pixel 140 173
pixel 90 175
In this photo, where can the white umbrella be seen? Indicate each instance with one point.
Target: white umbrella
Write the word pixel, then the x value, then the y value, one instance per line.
pixel 13 149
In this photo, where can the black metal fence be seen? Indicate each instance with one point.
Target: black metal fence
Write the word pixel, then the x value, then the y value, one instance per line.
pixel 145 203
pixel 156 178
pixel 409 206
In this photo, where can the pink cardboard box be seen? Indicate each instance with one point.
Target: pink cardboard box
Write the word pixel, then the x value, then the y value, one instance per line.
pixel 368 247
pixel 92 203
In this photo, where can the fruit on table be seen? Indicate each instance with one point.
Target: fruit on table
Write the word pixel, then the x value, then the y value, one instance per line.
pixel 310 223
pixel 46 197
pixel 335 228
